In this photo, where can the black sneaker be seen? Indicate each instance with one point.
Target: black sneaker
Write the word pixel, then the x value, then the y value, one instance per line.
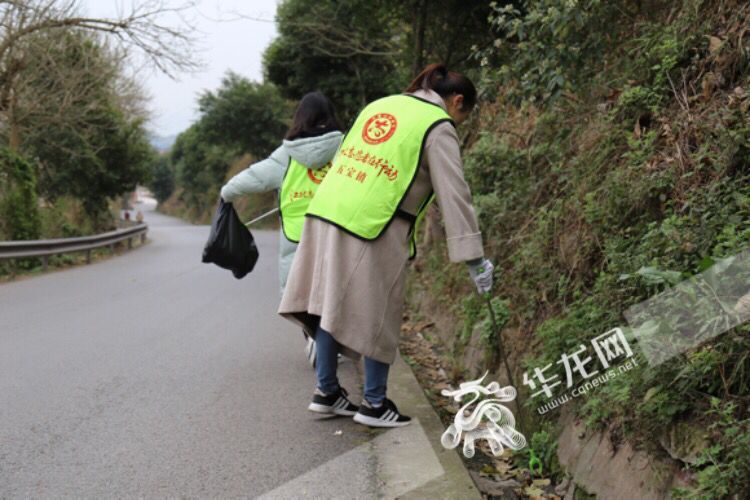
pixel 336 403
pixel 386 415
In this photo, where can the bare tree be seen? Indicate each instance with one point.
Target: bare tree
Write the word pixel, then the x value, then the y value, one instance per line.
pixel 25 24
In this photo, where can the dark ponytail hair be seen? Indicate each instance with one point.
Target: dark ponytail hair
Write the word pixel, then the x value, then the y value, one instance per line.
pixel 446 83
pixel 314 116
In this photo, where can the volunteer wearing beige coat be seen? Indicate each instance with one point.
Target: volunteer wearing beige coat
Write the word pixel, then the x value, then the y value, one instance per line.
pixel 350 291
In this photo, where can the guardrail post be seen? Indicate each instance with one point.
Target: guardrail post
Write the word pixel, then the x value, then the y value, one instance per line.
pixel 143 238
pixel 88 256
pixel 45 262
pixel 130 243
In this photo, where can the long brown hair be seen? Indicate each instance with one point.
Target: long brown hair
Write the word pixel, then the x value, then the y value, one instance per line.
pixel 446 83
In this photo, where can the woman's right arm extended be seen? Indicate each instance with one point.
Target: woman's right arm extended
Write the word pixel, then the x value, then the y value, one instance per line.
pixel 260 177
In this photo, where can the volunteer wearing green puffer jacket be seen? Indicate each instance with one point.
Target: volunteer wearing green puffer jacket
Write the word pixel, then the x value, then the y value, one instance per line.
pixel 295 169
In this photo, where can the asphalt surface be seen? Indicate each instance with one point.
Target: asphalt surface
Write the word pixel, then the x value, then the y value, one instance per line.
pixel 152 374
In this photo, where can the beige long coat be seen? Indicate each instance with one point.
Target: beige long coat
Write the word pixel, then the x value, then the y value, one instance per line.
pixel 355 288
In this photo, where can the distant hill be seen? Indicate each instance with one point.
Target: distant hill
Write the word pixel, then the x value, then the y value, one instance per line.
pixel 162 143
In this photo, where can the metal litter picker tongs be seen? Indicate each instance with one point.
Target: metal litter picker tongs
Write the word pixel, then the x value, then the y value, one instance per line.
pixel 535 465
pixel 262 216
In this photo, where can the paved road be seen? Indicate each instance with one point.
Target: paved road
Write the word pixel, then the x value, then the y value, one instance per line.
pixel 153 374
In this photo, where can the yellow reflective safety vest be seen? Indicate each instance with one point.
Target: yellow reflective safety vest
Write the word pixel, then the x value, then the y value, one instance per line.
pixel 375 167
pixel 297 190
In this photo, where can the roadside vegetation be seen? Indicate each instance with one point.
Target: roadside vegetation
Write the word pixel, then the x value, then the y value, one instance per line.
pixel 611 162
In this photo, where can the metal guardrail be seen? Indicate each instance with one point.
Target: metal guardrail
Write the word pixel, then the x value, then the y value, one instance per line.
pixel 45 248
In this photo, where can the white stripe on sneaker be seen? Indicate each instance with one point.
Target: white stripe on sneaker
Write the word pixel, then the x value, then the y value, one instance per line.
pixel 378 422
pixel 385 416
pixel 395 417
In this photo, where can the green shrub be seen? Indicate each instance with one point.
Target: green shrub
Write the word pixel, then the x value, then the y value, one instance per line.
pixel 19 199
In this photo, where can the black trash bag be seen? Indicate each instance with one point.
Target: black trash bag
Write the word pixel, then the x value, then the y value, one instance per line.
pixel 230 244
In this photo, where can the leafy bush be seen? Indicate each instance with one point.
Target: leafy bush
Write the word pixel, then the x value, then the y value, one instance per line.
pixel 18 198
pixel 163 179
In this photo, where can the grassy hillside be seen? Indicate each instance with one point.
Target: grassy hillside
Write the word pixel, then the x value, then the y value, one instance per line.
pixel 635 177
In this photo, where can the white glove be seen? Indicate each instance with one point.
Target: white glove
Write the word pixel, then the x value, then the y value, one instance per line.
pixel 482 275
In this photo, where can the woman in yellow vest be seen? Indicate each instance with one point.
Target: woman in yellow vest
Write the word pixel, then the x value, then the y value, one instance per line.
pixel 295 169
pixel 347 280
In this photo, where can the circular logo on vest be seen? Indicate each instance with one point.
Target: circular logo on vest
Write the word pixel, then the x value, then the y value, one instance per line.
pixel 379 128
pixel 317 175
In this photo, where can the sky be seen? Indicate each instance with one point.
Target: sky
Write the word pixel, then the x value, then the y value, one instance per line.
pixel 225 41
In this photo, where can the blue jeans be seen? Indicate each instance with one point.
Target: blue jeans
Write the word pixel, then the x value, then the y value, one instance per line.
pixel 326 364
